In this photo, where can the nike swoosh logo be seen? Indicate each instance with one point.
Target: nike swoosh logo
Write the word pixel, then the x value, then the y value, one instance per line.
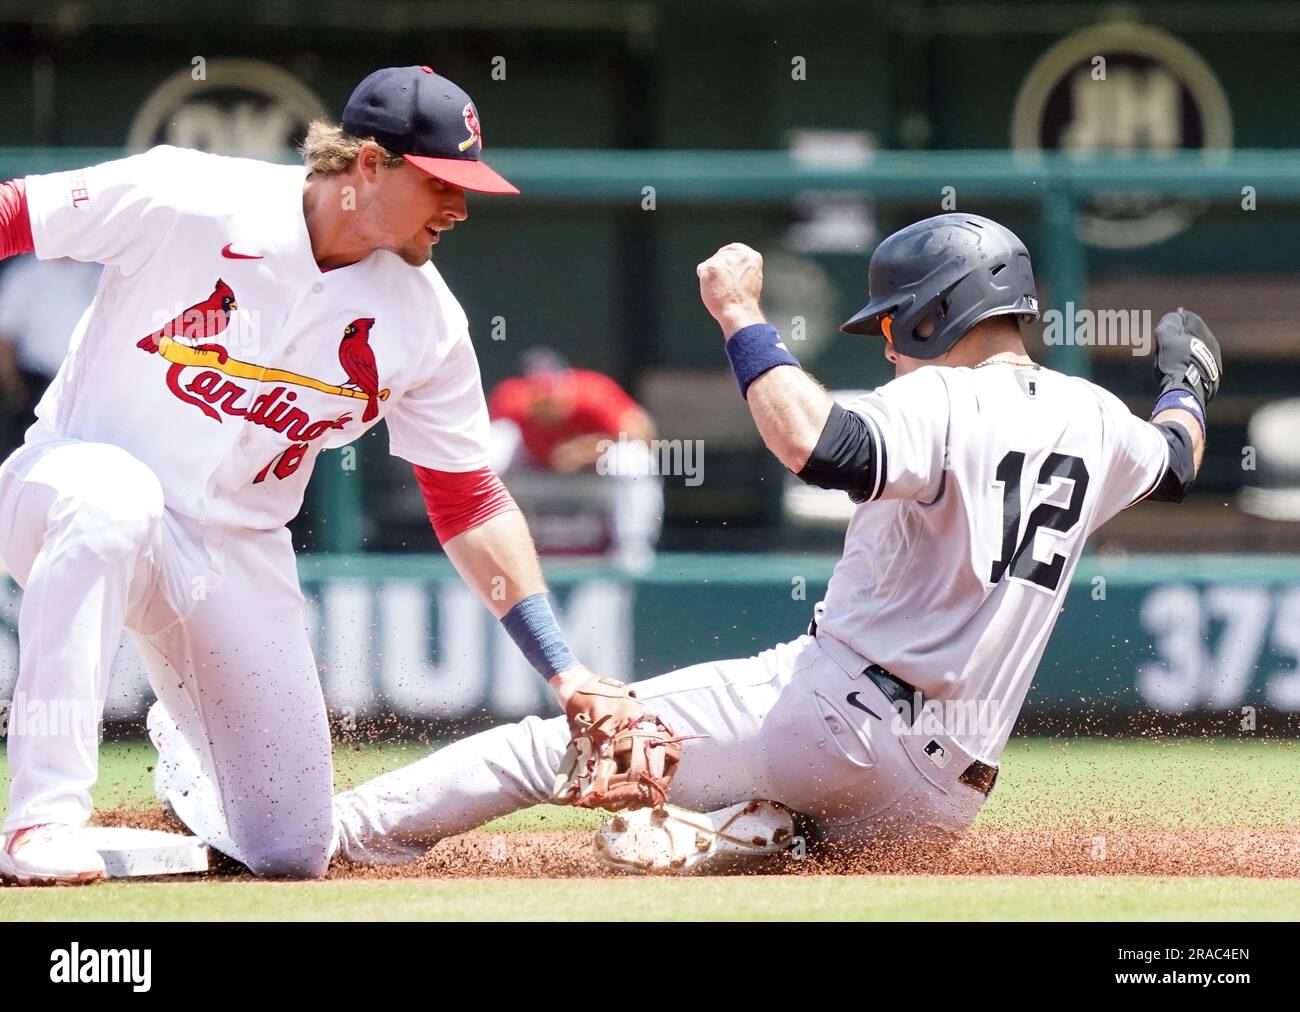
pixel 853 701
pixel 230 254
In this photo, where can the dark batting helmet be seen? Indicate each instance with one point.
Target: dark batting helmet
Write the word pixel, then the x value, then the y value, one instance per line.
pixel 938 278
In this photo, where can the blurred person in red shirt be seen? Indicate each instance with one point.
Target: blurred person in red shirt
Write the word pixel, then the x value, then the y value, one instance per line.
pixel 564 420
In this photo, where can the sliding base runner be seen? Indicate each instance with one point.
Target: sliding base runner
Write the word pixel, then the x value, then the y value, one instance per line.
pixel 978 476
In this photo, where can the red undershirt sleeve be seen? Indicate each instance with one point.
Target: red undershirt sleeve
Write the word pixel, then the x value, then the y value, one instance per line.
pixel 459 501
pixel 15 222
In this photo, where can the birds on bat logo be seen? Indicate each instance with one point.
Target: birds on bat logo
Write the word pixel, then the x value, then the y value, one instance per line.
pixel 187 342
pixel 472 125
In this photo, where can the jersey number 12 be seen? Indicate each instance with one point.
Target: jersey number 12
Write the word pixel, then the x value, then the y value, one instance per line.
pixel 1019 556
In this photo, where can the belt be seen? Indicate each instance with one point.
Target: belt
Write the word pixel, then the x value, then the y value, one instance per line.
pixel 979 775
pixel 895 689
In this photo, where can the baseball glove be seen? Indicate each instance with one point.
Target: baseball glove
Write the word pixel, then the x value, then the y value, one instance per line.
pixel 622 759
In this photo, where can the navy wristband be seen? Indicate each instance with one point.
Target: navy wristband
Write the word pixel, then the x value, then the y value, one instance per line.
pixel 1182 399
pixel 531 624
pixel 754 350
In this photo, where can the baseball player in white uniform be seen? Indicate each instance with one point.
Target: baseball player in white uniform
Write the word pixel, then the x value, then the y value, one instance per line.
pixel 249 316
pixel 978 474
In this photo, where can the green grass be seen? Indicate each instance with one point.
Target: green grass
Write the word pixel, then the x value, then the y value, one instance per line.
pixel 1166 783
pixel 762 898
pixel 1172 783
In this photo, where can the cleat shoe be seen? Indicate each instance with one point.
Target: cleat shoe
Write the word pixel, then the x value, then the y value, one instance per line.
pixel 672 839
pixel 49 854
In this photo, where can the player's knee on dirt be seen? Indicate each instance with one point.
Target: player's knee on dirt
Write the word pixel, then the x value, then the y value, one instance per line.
pixel 285 837
pixel 289 862
pixel 284 856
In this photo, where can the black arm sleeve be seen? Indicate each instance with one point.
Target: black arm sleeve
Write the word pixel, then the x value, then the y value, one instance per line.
pixel 847 456
pixel 1181 472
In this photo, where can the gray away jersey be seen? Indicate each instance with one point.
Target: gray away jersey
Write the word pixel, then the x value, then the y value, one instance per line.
pixel 987 483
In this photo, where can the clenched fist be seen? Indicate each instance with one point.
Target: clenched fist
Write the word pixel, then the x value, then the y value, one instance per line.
pixel 731 282
pixel 1187 356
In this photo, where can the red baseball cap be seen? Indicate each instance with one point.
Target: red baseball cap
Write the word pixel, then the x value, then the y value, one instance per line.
pixel 429 121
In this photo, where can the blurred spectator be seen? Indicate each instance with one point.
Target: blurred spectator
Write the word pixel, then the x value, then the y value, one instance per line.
pixel 40 304
pixel 562 420
pixel 1273 488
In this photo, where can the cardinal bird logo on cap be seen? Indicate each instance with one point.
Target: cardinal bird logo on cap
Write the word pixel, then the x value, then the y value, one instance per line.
pixel 358 361
pixel 475 131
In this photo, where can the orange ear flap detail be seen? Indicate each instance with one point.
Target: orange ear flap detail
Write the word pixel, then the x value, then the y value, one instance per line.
pixel 884 326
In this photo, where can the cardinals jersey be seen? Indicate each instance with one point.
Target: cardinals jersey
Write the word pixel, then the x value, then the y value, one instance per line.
pixel 987 483
pixel 217 352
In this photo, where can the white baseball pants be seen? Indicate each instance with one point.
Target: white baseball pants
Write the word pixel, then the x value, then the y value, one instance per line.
pixel 777 726
pixel 218 617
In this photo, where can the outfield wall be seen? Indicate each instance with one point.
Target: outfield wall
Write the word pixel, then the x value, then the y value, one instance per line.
pixel 1203 635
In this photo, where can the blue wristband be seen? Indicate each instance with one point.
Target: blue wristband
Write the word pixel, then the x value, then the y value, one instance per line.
pixel 531 624
pixel 754 350
pixel 1182 399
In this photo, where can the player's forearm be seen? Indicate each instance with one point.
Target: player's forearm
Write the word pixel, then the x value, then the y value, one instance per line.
pixel 498 561
pixel 818 440
pixel 790 409
pixel 1185 442
pixel 487 540
pixel 1186 420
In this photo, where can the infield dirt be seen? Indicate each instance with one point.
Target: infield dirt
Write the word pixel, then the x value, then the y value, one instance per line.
pixel 1069 850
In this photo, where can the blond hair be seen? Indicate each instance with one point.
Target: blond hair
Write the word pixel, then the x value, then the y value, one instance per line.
pixel 328 149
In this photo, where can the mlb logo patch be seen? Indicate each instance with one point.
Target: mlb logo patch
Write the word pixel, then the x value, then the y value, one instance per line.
pixel 937 753
pixel 1029 382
